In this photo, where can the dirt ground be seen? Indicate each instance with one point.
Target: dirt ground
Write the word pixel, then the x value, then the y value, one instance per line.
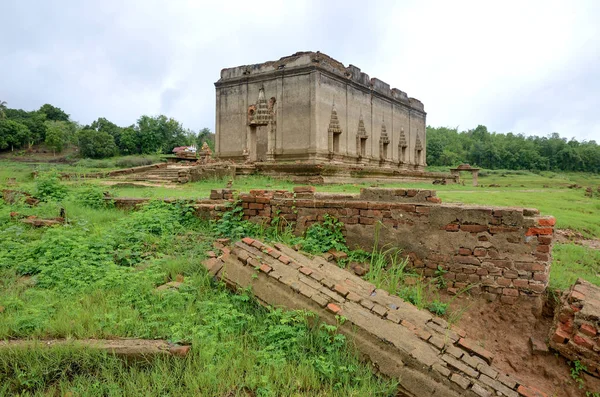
pixel 505 330
pixel 572 236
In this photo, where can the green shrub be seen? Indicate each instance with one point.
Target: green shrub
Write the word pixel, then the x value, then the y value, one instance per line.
pixel 321 237
pixel 92 163
pixel 48 187
pixel 96 144
pixel 93 196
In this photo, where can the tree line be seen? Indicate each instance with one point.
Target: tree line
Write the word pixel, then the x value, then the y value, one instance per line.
pixel 479 147
pixel 50 125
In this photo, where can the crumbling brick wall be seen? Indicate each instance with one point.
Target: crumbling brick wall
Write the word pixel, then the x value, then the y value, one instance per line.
pixel 503 253
pixel 576 330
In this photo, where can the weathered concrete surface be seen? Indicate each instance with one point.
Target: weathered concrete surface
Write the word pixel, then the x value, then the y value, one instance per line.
pixel 127 348
pixel 424 352
pixel 576 330
pixel 308 106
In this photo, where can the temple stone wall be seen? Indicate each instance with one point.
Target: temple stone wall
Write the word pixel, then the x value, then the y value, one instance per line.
pixel 310 107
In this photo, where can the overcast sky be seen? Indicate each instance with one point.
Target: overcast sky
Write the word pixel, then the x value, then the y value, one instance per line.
pixel 528 67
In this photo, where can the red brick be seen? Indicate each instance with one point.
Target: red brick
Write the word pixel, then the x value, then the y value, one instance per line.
pixel 411 192
pixel 250 212
pixel 480 252
pixel 422 210
pixel 406 207
pixel 436 200
pixel 542 257
pixel 263 200
pixel 539 288
pixel 452 227
pixel 520 283
pixel 545 240
pixel 510 292
pixel 533 231
pixel 473 228
pixel 543 248
pixel 340 289
pixel 588 329
pixel 550 221
pixel 265 268
pixel 509 300
pixel 256 206
pixel 464 251
pixel 306 271
pixel 247 240
pixel 503 229
pixel 366 221
pixel 332 307
pixel 567 326
pixel 540 277
pixel 583 341
pixel 284 259
pixel 560 336
pixel 504 282
pixel 578 296
pixel 304 189
pixel 528 391
pixel 476 349
pixel 180 351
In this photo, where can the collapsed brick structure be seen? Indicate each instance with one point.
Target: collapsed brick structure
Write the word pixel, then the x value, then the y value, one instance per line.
pixel 503 253
pixel 426 354
pixel 576 330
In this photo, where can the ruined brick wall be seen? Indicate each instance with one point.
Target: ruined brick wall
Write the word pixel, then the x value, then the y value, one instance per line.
pixel 428 356
pixel 576 330
pixel 503 253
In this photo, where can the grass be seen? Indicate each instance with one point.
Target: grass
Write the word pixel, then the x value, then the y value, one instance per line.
pixel 573 261
pixel 96 278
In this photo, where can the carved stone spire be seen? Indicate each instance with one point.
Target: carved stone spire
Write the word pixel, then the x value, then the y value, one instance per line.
pixel 402 142
pixel 262 116
pixel 418 144
pixel 384 136
pixel 334 122
pixel 362 131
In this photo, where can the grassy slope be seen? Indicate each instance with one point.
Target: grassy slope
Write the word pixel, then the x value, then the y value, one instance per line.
pixel 96 278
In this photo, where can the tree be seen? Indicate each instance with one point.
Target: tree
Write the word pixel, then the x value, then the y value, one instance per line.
pixel 54 113
pixel 2 110
pixel 130 142
pixel 96 144
pixel 12 133
pixel 160 134
pixel 58 134
pixel 205 135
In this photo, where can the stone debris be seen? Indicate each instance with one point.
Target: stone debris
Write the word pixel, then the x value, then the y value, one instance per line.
pixel 416 344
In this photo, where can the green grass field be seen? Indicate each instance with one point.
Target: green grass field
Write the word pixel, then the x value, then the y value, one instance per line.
pixel 96 278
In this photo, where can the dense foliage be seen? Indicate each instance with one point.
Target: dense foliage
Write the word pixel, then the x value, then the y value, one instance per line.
pixel 449 147
pixel 102 138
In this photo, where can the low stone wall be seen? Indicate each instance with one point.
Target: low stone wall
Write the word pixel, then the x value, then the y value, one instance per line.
pixel 427 355
pixel 576 330
pixel 209 171
pixel 503 253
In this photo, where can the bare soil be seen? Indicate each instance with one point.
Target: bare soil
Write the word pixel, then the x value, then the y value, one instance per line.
pixel 572 236
pixel 505 330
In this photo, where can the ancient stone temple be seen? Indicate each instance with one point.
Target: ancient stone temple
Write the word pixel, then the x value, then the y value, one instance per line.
pixel 309 107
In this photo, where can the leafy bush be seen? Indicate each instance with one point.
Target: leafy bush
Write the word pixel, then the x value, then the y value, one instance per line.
pixel 321 237
pixel 231 225
pixel 93 196
pixel 49 188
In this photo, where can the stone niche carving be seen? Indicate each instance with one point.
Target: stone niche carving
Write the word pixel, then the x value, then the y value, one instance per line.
pixel 384 141
pixel 334 131
pixel 361 138
pixel 259 114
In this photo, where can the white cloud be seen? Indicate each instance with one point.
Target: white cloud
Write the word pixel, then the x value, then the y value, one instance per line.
pixel 514 66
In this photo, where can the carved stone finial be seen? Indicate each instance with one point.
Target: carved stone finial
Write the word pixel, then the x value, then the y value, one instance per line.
pixel 334 122
pixel 262 115
pixel 402 141
pixel 362 131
